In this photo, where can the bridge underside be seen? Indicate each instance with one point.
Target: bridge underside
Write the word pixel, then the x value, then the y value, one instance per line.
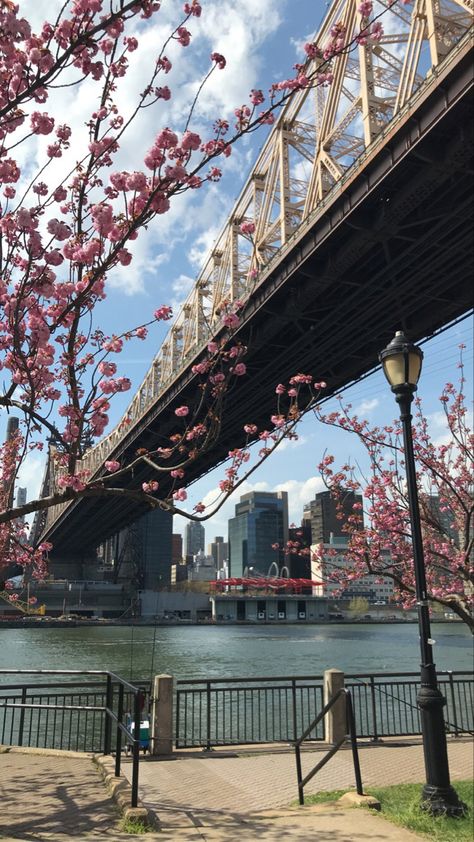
pixel 394 250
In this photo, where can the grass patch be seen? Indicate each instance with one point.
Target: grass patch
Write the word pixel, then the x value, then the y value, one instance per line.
pixel 401 805
pixel 135 826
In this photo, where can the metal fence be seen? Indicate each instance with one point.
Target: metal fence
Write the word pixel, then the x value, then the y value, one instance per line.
pixel 66 715
pixel 92 710
pixel 72 713
pixel 239 711
pixel 385 703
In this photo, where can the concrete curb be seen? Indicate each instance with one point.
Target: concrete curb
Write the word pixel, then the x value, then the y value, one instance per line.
pixel 121 791
pixel 46 752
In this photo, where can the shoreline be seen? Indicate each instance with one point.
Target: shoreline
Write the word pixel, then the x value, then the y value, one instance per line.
pixel 45 622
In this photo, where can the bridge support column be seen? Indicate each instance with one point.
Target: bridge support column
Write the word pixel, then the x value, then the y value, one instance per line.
pixel 161 736
pixel 335 719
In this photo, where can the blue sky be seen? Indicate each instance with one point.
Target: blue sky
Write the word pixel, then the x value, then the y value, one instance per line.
pixel 262 39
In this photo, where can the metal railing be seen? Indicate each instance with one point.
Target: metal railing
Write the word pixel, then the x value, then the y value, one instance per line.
pixel 236 711
pixel 87 710
pixel 350 734
pixel 91 715
pixel 239 711
pixel 385 704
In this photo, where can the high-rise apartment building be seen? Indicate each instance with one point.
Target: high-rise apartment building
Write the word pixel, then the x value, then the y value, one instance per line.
pixel 260 523
pixel 176 548
pixel 194 535
pixel 219 550
pixel 298 558
pixel 327 515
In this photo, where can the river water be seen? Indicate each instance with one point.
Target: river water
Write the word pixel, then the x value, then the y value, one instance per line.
pixel 232 651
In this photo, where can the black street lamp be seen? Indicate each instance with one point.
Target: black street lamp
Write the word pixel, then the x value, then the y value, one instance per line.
pixel 401 362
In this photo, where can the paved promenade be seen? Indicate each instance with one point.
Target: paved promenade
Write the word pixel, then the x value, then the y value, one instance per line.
pixel 215 797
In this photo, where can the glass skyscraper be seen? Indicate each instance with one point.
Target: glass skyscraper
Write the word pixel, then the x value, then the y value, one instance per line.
pixel 194 535
pixel 261 520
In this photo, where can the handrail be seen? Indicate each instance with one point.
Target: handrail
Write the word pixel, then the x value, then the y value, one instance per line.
pixel 110 716
pixel 350 726
pixel 255 678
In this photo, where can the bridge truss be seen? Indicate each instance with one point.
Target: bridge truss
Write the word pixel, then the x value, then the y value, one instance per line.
pixel 323 137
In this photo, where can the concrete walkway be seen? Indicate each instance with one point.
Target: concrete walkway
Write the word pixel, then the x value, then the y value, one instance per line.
pixel 219 797
pixel 214 789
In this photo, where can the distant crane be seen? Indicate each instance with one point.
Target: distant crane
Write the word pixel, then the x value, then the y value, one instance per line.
pixel 22 605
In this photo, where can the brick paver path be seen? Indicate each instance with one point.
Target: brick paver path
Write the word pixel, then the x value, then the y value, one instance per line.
pixel 248 783
pixel 43 795
pixel 197 798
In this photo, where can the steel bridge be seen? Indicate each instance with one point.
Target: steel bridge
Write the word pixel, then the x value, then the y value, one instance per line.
pixel 362 203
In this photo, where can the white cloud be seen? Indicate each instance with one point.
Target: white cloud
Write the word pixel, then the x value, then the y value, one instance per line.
pixel 291 444
pixel 181 286
pixel 366 407
pixel 300 492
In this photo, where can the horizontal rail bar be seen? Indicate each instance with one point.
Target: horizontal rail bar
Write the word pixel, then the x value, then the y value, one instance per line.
pixel 249 680
pixel 264 678
pixel 40 706
pixel 112 675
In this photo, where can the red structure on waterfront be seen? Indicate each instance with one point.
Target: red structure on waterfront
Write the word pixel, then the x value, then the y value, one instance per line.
pixel 265 583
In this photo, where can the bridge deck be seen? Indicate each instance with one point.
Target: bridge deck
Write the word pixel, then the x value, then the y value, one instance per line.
pixel 393 250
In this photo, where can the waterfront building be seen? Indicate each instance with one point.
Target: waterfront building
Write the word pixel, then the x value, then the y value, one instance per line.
pixel 298 559
pixel 179 573
pixel 258 533
pixel 376 589
pixel 219 550
pixel 278 609
pixel 440 517
pixel 327 515
pixel 154 530
pixel 176 548
pixel 202 569
pixel 194 535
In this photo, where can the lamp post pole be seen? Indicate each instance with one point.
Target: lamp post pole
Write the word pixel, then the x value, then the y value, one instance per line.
pixel 438 796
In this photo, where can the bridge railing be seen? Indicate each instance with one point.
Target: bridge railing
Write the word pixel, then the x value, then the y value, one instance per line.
pixel 330 131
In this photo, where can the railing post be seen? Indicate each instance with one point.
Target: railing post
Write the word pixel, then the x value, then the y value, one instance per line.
pixel 335 719
pixel 453 701
pixel 295 718
pixel 136 747
pixel 109 700
pixel 375 735
pixel 161 734
pixel 208 715
pixel 352 731
pixel 118 741
pixel 299 775
pixel 22 717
